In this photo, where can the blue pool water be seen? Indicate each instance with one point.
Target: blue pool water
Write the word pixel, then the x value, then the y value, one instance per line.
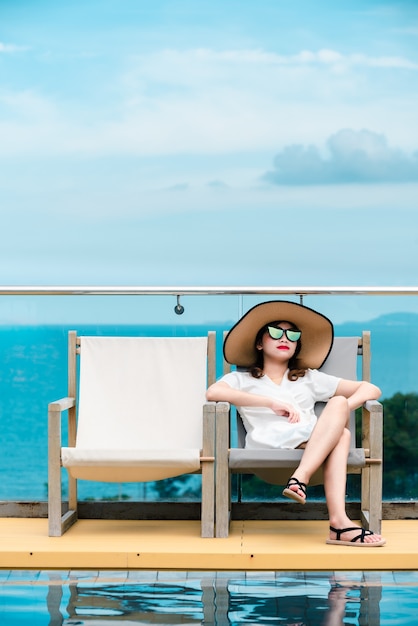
pixel 68 598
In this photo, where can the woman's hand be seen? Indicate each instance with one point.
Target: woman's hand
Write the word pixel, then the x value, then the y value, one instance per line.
pixel 222 392
pixel 286 410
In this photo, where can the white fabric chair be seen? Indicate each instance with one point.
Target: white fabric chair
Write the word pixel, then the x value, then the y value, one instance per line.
pixel 140 416
pixel 275 466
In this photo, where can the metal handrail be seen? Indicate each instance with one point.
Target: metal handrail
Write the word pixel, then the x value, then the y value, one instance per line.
pixel 118 290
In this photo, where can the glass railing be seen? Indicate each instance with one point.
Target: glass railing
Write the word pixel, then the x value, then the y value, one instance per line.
pixel 34 324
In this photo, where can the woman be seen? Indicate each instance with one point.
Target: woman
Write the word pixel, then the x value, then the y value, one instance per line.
pixel 281 345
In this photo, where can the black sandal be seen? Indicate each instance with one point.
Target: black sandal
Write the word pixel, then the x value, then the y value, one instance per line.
pixel 291 493
pixel 357 541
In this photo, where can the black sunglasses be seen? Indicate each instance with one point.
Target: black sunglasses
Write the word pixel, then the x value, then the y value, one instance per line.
pixel 277 333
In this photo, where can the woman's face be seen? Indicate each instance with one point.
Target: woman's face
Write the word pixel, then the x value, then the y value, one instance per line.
pixel 278 349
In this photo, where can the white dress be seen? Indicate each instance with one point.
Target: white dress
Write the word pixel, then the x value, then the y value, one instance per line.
pixel 264 428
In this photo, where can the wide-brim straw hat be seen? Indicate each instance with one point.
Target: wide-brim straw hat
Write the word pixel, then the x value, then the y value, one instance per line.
pixel 317 333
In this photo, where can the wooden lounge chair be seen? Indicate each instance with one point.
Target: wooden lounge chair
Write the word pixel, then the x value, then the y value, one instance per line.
pixel 276 466
pixel 136 413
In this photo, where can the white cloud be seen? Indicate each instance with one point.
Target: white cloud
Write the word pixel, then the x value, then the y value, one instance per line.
pixel 27 104
pixel 178 187
pixel 217 184
pixel 354 157
pixel 409 30
pixel 259 57
pixel 333 58
pixel 10 48
pixel 205 101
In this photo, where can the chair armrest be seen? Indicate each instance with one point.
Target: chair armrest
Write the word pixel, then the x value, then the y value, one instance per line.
pixel 374 406
pixel 222 406
pixel 55 411
pixel 222 413
pixel 222 426
pixel 372 429
pixel 61 405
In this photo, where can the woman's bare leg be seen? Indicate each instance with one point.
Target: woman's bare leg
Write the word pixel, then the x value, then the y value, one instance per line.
pixel 335 480
pixel 325 437
pixel 329 446
pixel 337 601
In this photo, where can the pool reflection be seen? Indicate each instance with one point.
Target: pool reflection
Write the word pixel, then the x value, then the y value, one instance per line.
pixel 60 598
pixel 295 603
pixel 153 603
pixel 287 600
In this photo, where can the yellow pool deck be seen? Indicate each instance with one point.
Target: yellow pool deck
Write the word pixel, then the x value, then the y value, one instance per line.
pixel 177 545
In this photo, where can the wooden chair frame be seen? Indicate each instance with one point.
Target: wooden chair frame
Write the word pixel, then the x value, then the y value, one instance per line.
pixel 62 515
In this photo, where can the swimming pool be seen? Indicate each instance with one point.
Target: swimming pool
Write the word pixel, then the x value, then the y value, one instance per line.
pixel 75 598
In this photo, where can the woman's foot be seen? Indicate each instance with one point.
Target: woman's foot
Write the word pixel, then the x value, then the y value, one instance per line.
pixel 295 490
pixel 354 536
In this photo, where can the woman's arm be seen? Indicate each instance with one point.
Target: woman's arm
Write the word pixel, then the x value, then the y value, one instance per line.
pixel 357 392
pixel 222 392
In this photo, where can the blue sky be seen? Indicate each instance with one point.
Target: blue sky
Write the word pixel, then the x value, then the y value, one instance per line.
pixel 218 142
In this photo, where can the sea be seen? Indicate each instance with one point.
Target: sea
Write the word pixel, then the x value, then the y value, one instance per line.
pixel 33 372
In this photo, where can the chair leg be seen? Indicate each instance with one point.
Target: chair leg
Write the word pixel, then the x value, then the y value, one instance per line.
pixel 376 498
pixel 208 472
pixel 208 499
pixel 222 488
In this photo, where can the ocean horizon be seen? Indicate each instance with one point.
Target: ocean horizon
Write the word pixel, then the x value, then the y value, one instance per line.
pixel 34 373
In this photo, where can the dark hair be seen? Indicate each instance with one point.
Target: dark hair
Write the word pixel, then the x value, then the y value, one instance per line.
pixel 295 372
